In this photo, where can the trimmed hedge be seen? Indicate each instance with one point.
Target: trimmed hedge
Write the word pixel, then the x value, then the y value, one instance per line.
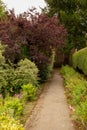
pixel 79 60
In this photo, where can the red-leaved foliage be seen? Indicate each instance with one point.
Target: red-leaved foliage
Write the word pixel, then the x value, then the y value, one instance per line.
pixel 31 35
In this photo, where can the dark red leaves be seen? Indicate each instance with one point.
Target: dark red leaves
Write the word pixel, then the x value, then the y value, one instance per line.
pixel 36 32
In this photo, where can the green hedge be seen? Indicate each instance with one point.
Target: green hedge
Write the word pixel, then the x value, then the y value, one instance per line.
pixel 79 60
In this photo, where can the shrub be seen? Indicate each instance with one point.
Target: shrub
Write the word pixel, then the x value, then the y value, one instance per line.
pixel 9 123
pixel 80 60
pixel 11 108
pixel 6 74
pixel 15 105
pixel 12 105
pixel 25 73
pixel 11 79
pixel 29 92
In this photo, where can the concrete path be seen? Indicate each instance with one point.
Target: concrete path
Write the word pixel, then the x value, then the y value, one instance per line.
pixel 51 111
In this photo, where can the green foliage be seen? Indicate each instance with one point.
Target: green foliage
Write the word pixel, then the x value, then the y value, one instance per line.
pixel 2 59
pixel 9 123
pixel 79 60
pixel 12 105
pixel 6 74
pixel 29 92
pixel 76 90
pixel 2 10
pixel 45 74
pixel 47 69
pixel 11 108
pixel 82 112
pixel 3 66
pixel 73 14
pixel 25 73
pixel 11 79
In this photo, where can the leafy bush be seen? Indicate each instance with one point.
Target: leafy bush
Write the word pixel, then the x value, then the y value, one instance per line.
pixel 9 123
pixel 12 78
pixel 80 60
pixel 12 105
pixel 25 73
pixel 29 92
pixel 76 90
pixel 11 108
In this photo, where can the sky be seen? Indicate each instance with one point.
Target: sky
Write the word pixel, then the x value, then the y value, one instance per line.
pixel 23 5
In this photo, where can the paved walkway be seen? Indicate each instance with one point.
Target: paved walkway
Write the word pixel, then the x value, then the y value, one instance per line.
pixel 51 111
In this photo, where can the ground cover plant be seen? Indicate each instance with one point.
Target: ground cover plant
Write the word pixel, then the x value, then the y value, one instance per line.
pixel 9 123
pixel 76 91
pixel 79 60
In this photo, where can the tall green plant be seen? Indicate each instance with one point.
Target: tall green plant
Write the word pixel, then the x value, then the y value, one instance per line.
pixel 73 14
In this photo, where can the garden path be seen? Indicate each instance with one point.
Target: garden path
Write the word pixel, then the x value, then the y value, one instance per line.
pixel 51 111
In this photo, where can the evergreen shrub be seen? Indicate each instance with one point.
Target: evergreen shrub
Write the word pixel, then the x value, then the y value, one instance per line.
pixel 79 60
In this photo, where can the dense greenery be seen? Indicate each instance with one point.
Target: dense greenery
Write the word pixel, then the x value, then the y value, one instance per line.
pixel 79 60
pixel 28 40
pixel 12 105
pixel 26 72
pixel 29 92
pixel 16 87
pixel 31 35
pixel 73 14
pixel 9 123
pixel 11 78
pixel 76 90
